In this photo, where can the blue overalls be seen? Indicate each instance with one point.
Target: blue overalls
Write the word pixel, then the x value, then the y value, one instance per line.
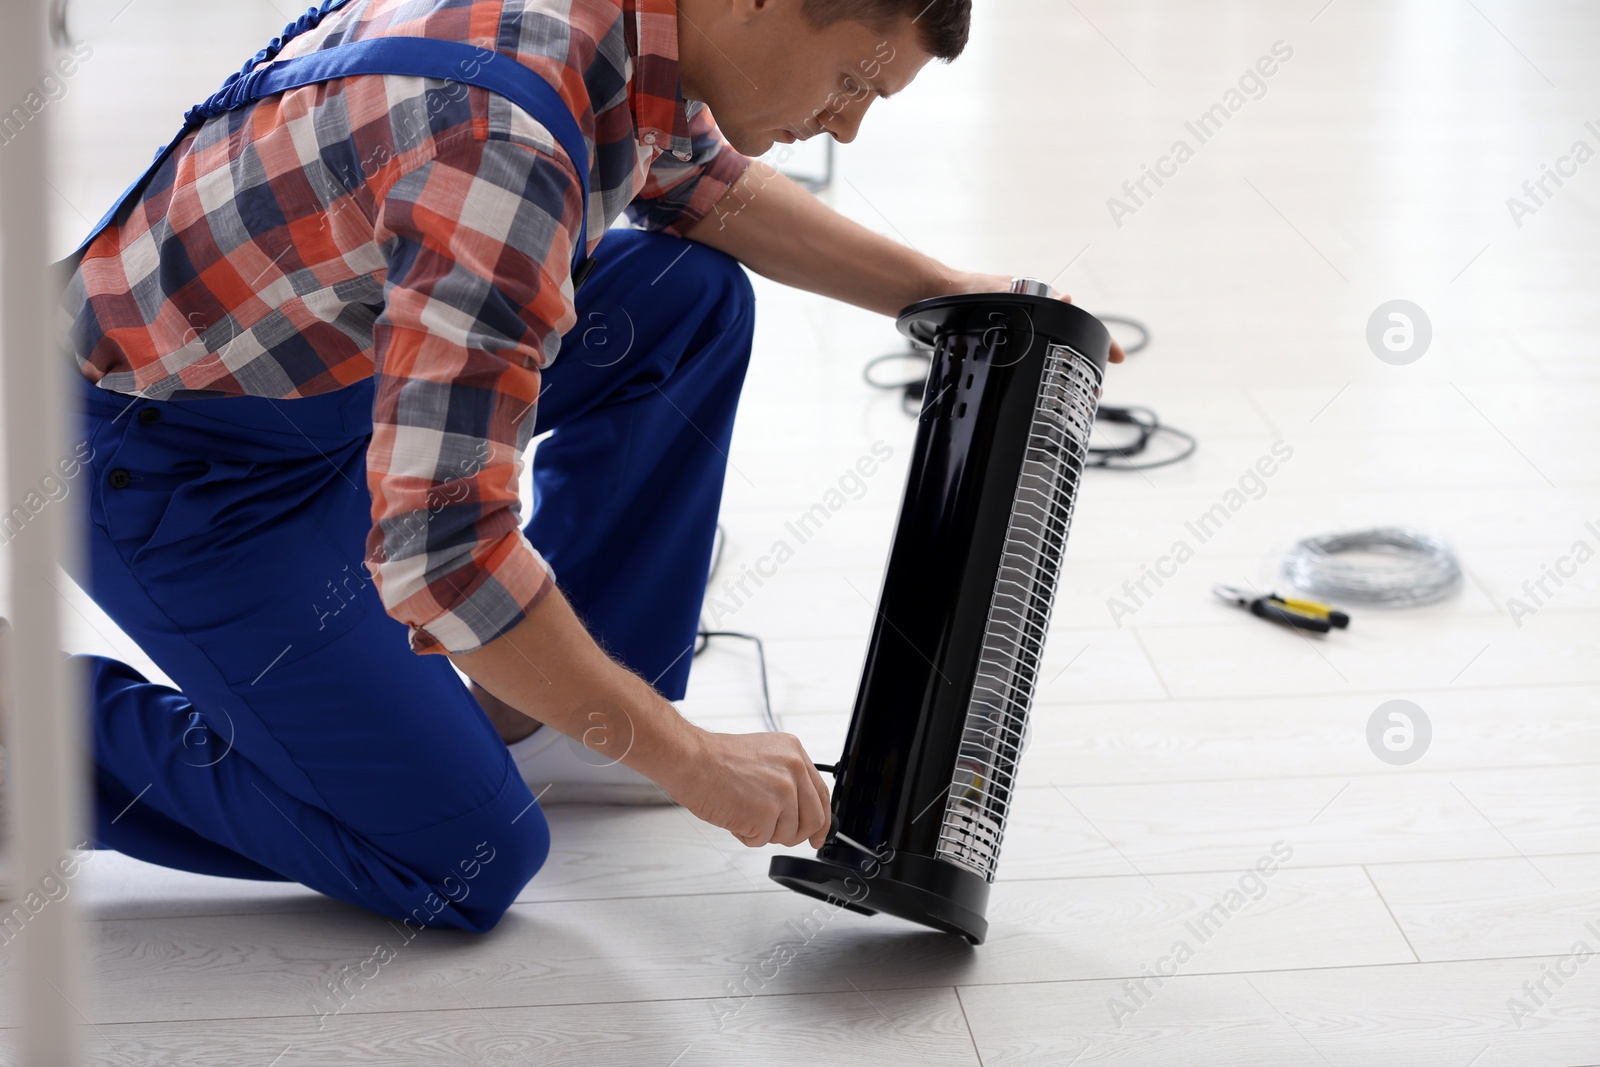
pixel 218 529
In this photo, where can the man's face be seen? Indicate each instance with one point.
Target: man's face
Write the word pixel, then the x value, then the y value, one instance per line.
pixel 771 77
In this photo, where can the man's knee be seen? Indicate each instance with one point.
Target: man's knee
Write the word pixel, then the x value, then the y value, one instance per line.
pixel 723 279
pixel 476 888
pixel 695 276
pixel 716 286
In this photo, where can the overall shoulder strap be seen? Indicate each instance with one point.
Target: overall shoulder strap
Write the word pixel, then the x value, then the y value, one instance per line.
pixel 414 56
pixel 424 57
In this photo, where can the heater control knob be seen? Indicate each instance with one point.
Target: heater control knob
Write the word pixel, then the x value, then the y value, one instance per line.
pixel 1030 287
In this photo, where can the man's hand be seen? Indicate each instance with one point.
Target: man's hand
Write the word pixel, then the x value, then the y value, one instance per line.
pixel 998 283
pixel 762 788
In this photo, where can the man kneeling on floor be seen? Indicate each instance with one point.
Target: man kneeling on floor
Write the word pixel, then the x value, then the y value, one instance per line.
pixel 316 342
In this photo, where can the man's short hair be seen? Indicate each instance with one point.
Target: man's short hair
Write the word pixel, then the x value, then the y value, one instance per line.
pixel 944 24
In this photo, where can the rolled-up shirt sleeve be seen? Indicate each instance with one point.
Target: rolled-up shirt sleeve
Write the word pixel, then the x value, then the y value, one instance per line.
pixel 477 296
pixel 678 193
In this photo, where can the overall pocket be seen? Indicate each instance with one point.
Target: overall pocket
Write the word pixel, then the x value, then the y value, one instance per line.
pixel 257 563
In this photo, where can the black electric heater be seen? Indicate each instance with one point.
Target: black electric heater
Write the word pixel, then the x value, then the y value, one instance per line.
pixel 922 790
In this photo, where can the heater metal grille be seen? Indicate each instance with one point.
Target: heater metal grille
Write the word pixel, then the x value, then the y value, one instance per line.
pixel 1019 612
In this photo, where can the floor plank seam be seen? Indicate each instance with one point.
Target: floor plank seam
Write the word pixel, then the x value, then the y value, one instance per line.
pixel 1409 772
pixel 848 990
pixel 967 1022
pixel 334 907
pixel 1195 872
pixel 1401 930
pixel 375 1013
pixel 1151 660
pixel 1242 626
pixel 1226 698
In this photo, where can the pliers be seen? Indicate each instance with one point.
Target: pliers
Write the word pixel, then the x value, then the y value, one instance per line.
pixel 1301 614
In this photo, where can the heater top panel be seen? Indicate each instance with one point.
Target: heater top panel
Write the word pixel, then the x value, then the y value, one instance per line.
pixel 1040 317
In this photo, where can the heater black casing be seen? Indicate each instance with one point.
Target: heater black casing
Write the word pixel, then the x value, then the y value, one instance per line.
pixel 989 360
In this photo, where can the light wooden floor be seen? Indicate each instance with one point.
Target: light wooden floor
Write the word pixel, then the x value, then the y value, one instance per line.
pixel 1170 752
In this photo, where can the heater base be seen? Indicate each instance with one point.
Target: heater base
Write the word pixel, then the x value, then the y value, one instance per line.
pixel 910 887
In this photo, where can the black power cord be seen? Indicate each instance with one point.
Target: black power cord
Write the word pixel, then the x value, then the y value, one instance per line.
pixel 1147 425
pixel 760 650
pixel 1133 324
pixel 705 634
pixel 1112 457
pixel 911 389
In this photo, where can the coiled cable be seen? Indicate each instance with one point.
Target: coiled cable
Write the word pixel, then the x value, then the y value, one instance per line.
pixel 1410 568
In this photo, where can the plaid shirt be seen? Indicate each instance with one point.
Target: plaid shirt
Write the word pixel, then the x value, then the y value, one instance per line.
pixel 417 231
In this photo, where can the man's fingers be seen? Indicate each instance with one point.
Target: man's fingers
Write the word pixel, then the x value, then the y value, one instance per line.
pixel 770 791
pixel 761 830
pixel 787 829
pixel 813 813
pixel 823 798
pixel 1117 354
